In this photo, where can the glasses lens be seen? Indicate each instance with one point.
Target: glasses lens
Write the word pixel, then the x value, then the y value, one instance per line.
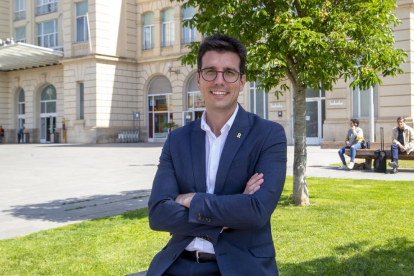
pixel 209 74
pixel 230 76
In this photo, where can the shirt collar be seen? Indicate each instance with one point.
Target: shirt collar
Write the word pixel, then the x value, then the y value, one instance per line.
pixel 227 125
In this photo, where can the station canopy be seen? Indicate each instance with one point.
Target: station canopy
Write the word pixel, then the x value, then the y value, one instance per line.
pixel 19 56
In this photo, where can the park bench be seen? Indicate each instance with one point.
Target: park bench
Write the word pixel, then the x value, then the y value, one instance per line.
pixel 368 154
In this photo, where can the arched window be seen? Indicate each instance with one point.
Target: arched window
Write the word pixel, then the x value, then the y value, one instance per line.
pixel 48 100
pixel 21 108
pixel 148 31
pixel 159 108
pixel 189 34
pixel 168 27
pixel 195 102
pixel 47 113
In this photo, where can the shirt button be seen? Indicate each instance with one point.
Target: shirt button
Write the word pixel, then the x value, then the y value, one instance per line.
pixel 173 257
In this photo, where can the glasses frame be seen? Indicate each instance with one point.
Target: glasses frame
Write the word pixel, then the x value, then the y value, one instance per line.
pixel 200 71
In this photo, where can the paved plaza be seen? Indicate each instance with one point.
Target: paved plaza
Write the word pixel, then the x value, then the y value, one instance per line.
pixel 44 186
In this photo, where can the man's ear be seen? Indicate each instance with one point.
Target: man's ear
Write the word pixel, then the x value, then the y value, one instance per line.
pixel 198 81
pixel 242 82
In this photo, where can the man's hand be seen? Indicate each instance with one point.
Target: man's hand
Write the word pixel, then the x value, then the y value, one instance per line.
pixel 347 143
pixel 253 184
pixel 185 199
pixel 402 148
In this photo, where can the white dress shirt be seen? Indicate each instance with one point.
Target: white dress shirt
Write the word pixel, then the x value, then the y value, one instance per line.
pixel 214 148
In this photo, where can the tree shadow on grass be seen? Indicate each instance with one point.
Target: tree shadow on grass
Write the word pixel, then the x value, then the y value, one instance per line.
pixel 83 208
pixel 394 258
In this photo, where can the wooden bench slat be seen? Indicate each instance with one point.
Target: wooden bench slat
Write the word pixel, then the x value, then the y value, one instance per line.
pixel 369 153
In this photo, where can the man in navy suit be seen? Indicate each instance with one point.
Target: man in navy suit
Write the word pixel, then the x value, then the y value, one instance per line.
pixel 219 178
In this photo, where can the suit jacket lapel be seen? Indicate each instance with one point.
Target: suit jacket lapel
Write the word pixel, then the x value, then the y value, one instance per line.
pixel 238 132
pixel 198 156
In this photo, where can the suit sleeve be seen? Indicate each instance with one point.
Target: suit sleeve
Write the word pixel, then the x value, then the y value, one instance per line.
pixel 167 215
pixel 241 211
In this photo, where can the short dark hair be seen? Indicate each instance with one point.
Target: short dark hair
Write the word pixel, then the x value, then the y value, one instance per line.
pixel 222 43
pixel 401 118
pixel 355 121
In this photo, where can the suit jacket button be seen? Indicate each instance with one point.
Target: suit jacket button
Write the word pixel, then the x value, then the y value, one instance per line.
pixel 173 257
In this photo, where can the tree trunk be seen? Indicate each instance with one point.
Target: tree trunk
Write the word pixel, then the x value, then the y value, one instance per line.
pixel 300 194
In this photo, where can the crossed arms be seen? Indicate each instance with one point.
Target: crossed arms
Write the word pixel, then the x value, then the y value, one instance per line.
pixel 178 213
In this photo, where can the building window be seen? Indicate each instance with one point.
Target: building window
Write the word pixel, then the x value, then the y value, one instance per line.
pixel 19 9
pixel 48 100
pixel 148 31
pixel 189 34
pixel 21 109
pixel 46 6
pixel 258 100
pixel 21 35
pixel 81 101
pixel 160 107
pixel 81 22
pixel 195 100
pixel 319 93
pixel 360 102
pixel 47 34
pixel 168 28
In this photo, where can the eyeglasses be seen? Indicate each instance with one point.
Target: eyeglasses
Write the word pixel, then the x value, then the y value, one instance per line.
pixel 229 75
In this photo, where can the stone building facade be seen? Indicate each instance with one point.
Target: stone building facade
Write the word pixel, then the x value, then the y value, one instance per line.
pixel 95 63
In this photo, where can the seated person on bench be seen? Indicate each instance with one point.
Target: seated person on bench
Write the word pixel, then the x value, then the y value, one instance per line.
pixel 353 141
pixel 402 142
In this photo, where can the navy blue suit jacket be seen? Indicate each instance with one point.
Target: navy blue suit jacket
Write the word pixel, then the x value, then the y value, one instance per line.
pixel 247 247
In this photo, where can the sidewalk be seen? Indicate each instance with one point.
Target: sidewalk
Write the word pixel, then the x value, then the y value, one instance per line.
pixel 50 185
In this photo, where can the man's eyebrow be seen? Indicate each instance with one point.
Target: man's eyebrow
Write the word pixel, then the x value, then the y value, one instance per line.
pixel 226 68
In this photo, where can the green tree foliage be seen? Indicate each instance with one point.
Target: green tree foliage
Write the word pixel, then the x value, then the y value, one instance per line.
pixel 309 42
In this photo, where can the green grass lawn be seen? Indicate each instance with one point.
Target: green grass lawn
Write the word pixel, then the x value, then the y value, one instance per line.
pixel 403 164
pixel 352 227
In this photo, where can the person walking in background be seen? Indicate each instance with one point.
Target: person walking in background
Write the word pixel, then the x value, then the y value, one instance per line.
pixel 20 135
pixel 402 142
pixel 353 141
pixel 1 134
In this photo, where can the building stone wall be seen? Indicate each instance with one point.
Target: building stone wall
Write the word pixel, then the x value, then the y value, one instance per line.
pixel 117 72
pixel 5 18
pixel 32 81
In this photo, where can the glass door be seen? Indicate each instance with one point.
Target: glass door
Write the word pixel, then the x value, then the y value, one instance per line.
pixel 315 117
pixel 47 128
pixel 188 116
pixel 159 113
pixel 42 130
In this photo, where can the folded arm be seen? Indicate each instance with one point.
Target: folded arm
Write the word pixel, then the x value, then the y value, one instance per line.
pixel 167 215
pixel 248 211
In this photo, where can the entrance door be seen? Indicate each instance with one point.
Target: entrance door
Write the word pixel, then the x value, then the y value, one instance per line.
pixel 47 126
pixel 159 120
pixel 315 117
pixel 189 116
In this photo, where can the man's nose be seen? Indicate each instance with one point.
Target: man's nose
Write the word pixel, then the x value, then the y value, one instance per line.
pixel 220 78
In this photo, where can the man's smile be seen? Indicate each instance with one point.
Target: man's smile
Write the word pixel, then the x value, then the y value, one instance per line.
pixel 214 92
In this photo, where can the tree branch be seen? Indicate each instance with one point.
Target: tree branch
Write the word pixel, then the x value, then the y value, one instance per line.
pixel 298 8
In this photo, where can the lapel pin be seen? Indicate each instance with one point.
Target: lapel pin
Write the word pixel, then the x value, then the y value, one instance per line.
pixel 238 135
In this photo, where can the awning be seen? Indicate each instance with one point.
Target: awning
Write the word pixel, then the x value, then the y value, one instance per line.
pixel 20 56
